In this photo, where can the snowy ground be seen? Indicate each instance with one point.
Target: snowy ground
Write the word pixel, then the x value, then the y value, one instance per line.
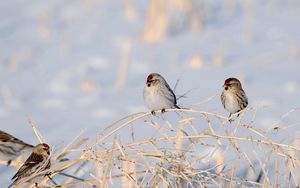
pixel 60 64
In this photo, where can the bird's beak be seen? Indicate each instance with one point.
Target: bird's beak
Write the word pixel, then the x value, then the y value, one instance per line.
pixel 149 82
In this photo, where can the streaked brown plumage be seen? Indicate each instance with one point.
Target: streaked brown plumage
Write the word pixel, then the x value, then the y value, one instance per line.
pixel 11 147
pixel 38 161
pixel 233 96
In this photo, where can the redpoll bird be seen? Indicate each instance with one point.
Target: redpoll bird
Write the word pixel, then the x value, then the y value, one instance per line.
pixel 38 161
pixel 233 97
pixel 11 147
pixel 158 94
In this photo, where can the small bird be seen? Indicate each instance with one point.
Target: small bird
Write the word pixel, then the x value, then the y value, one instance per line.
pixel 11 147
pixel 233 97
pixel 158 94
pixel 38 161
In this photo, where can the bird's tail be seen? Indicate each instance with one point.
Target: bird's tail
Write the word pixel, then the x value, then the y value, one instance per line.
pixel 177 106
pixel 12 184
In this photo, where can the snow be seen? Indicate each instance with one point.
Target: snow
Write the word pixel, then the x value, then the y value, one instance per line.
pixel 60 64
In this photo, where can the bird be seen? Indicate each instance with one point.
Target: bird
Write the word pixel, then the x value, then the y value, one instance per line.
pixel 11 147
pixel 38 161
pixel 158 95
pixel 233 97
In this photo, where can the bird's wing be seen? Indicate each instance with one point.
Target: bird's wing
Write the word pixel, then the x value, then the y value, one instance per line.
pixel 172 94
pixel 245 99
pixel 223 99
pixel 32 161
pixel 5 137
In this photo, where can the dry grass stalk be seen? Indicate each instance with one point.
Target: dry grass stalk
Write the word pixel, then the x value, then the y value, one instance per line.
pixel 230 184
pixel 129 180
pixel 175 158
pixel 160 14
pixel 121 81
pixel 36 131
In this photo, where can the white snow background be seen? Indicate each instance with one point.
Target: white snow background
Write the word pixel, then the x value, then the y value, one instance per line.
pixel 62 64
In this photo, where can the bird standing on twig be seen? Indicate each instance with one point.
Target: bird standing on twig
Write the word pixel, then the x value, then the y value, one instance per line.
pixel 38 161
pixel 158 94
pixel 233 97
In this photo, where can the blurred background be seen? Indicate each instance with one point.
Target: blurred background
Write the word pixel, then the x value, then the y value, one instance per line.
pixel 82 64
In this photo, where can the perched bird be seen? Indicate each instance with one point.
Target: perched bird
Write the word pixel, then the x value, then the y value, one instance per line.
pixel 158 94
pixel 11 147
pixel 38 161
pixel 233 97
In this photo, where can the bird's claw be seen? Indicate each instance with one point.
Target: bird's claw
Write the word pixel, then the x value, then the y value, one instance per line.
pixel 153 112
pixel 229 118
pixel 163 110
